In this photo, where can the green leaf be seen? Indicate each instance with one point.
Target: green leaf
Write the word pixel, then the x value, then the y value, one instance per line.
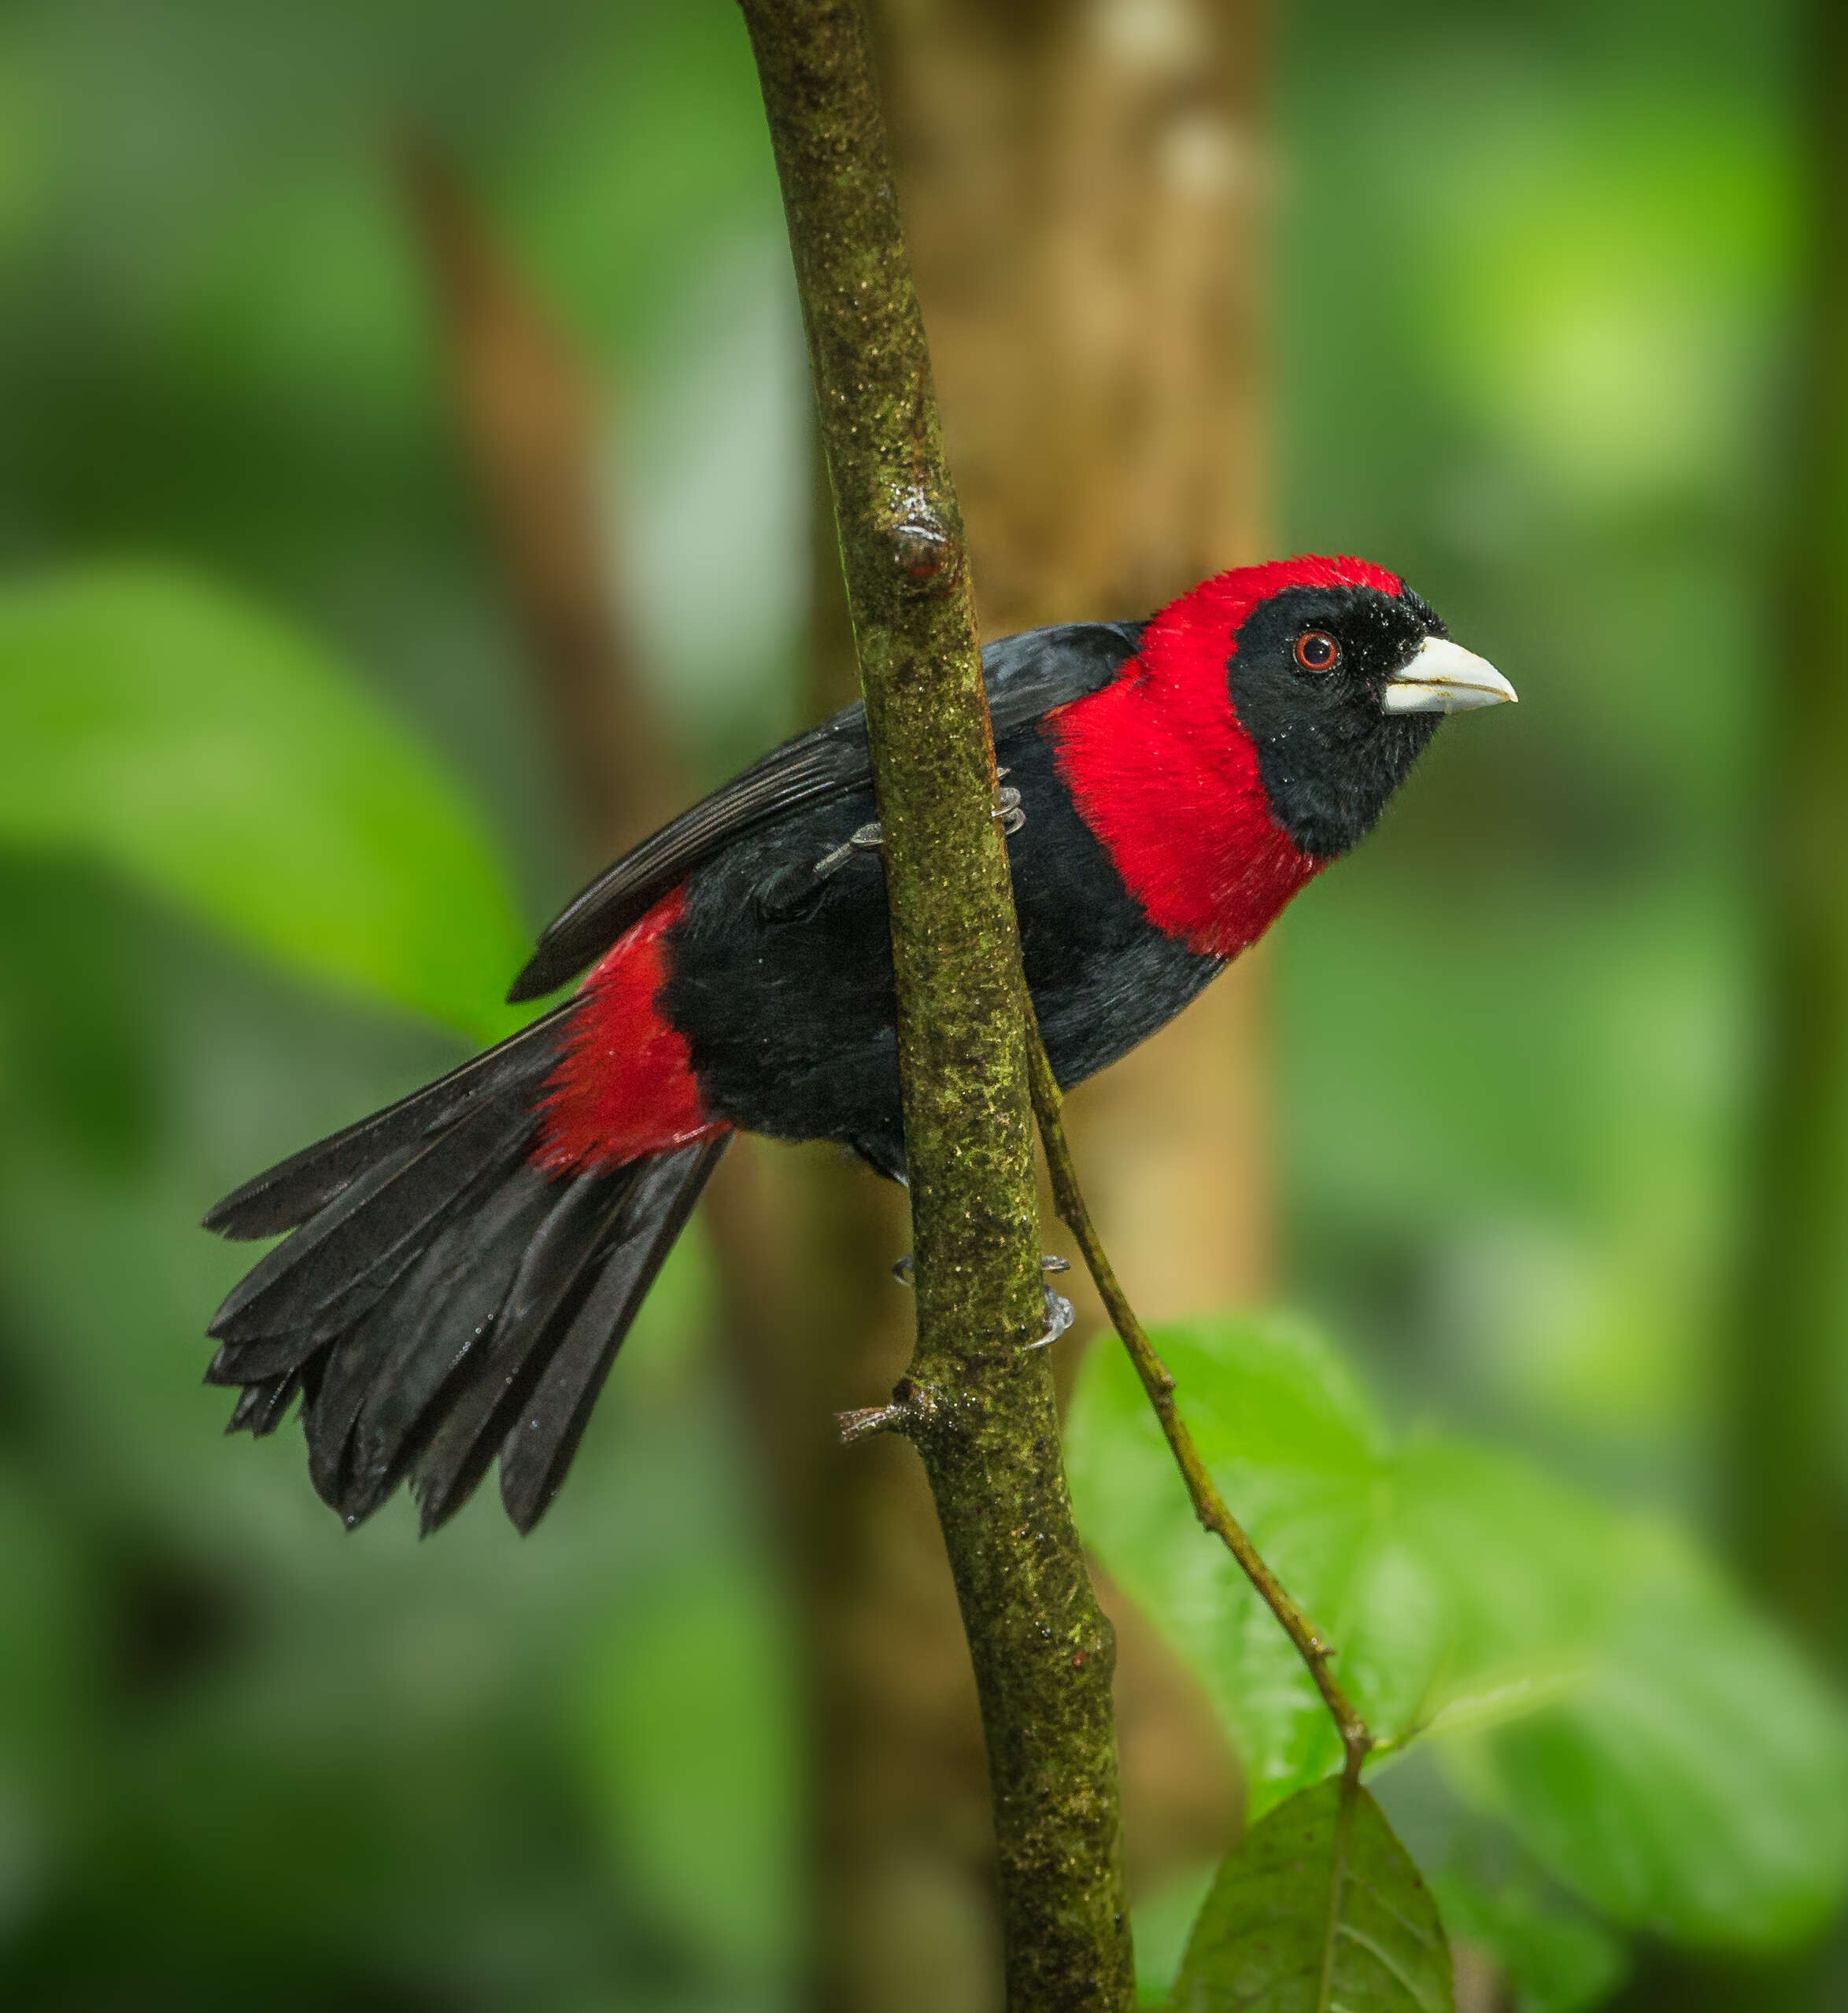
pixel 220 759
pixel 1319 1910
pixel 1653 1743
pixel 1697 1785
pixel 1400 1558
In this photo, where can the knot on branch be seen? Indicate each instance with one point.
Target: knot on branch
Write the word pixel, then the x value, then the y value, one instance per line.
pixel 913 1405
pixel 923 549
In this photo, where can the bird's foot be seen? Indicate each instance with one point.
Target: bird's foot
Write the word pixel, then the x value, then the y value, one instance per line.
pixel 1060 1312
pixel 1008 807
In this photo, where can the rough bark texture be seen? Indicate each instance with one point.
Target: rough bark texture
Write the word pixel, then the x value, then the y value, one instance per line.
pixel 980 1413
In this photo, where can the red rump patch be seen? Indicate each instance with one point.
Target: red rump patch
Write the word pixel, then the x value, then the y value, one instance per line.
pixel 625 1085
pixel 1163 774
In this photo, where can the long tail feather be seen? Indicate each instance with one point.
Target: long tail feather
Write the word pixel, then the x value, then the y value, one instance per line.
pixel 538 1324
pixel 404 1403
pixel 442 1299
pixel 543 1438
pixel 440 1310
pixel 342 1260
pixel 265 1405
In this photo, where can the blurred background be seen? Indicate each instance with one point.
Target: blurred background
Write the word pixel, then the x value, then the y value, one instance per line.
pixel 405 462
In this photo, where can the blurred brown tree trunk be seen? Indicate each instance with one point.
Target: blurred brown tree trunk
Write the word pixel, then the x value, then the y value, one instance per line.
pixel 529 421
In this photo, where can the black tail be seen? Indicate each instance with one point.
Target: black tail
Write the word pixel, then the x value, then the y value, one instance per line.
pixel 441 1299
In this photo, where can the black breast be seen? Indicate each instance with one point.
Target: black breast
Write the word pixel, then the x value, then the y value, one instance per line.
pixel 783 984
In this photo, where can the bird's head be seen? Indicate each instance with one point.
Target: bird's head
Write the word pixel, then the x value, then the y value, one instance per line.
pixel 1267 718
pixel 1337 672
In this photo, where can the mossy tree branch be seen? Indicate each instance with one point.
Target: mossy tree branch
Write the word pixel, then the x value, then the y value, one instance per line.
pixel 979 1409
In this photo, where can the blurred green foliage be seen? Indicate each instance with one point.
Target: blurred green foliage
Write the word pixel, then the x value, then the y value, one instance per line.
pixel 149 722
pixel 1532 278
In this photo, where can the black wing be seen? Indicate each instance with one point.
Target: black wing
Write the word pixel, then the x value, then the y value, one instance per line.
pixel 1026 675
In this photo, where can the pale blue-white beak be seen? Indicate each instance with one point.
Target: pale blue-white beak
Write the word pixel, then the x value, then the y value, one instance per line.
pixel 1443 678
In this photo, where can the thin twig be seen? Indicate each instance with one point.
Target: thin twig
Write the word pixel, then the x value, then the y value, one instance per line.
pixel 912 1405
pixel 1209 1505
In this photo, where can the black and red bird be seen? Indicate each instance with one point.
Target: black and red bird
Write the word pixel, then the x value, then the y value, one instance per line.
pixel 463 1266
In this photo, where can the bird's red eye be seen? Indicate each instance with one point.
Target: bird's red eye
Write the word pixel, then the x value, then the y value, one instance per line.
pixel 1317 650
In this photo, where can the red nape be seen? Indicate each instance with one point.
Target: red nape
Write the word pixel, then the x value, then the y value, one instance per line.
pixel 1160 769
pixel 625 1085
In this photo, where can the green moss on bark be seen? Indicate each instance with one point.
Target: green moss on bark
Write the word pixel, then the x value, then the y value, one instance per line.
pixel 981 1411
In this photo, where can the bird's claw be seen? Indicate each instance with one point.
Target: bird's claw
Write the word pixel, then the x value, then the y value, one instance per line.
pixel 1060 1314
